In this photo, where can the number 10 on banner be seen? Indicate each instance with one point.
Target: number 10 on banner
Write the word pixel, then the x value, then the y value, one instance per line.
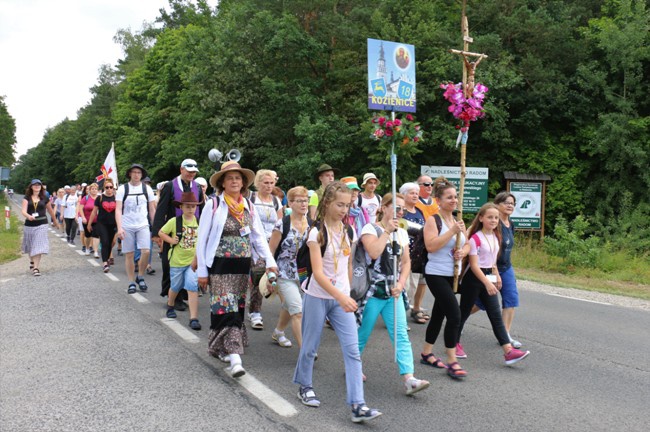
pixel 405 90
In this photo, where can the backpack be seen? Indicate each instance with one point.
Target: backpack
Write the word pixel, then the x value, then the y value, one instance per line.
pixel 361 270
pixel 419 253
pixel 146 197
pixel 276 200
pixel 303 259
pixel 360 200
pixel 286 227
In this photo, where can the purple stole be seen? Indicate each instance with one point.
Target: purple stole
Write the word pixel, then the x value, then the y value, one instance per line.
pixel 178 192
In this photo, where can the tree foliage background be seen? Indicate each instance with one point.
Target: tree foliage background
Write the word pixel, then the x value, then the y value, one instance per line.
pixel 285 82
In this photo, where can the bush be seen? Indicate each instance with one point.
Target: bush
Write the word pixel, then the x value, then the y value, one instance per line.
pixel 570 244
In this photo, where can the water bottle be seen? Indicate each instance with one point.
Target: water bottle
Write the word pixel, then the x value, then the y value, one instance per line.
pixel 272 278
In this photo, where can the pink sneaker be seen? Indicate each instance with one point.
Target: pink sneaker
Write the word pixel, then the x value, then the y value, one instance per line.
pixel 460 352
pixel 515 355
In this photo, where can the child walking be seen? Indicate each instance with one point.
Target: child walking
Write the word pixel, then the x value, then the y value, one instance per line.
pixel 383 292
pixel 328 295
pixel 182 257
pixel 480 279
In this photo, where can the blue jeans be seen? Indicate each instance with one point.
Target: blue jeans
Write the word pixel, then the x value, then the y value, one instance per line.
pixel 314 311
pixel 385 307
pixel 183 277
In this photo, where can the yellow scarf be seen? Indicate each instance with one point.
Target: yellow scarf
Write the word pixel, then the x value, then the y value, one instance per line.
pixel 235 208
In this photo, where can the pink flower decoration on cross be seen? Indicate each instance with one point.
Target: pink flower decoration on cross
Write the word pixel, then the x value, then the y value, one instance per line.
pixel 465 109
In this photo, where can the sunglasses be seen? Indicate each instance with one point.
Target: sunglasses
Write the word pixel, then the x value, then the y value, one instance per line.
pixel 190 165
pixel 108 187
pixel 426 184
pixel 397 209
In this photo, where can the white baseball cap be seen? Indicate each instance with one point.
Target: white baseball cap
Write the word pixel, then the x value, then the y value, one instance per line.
pixel 201 181
pixel 190 165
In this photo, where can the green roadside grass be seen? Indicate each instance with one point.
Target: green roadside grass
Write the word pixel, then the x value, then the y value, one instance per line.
pixel 9 239
pixel 616 272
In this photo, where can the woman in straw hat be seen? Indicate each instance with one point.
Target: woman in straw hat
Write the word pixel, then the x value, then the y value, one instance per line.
pixel 229 230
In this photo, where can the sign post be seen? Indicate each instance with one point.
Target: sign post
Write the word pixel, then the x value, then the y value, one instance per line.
pixel 391 87
pixel 476 183
pixel 529 191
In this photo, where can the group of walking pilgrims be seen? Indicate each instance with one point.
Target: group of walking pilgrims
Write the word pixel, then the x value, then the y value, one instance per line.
pixel 238 246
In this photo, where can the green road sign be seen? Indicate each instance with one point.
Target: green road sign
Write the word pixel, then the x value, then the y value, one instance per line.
pixel 476 183
pixel 528 211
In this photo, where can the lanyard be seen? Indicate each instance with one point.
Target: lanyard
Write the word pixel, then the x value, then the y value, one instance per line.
pixel 35 204
pixel 335 257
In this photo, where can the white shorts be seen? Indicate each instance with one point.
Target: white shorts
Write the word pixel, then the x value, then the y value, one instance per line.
pixel 136 239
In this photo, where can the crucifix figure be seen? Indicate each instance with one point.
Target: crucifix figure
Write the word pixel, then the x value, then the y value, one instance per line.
pixel 469 69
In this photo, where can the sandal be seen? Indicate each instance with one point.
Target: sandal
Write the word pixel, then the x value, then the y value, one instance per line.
pixel 418 317
pixel 36 272
pixel 437 363
pixel 456 373
pixel 425 315
pixel 131 289
pixel 31 265
pixel 107 268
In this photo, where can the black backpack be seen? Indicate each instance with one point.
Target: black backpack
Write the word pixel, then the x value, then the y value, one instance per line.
pixel 303 260
pixel 419 254
pixel 276 200
pixel 360 200
pixel 286 226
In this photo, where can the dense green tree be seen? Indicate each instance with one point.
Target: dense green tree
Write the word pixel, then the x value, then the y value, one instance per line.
pixel 285 82
pixel 7 135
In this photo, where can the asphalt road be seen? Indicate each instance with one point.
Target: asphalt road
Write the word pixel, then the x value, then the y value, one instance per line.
pixel 79 354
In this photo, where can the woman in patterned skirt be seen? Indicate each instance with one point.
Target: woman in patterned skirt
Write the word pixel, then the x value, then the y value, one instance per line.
pixel 35 241
pixel 228 231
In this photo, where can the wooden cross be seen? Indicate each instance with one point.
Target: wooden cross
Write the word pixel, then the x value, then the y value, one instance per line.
pixel 469 71
pixel 469 67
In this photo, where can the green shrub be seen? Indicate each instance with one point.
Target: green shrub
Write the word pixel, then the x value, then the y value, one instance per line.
pixel 570 243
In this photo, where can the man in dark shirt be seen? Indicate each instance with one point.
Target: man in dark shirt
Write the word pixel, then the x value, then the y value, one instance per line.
pixel 166 210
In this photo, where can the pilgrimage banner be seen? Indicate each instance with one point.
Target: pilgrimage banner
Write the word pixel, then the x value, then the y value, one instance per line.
pixel 391 76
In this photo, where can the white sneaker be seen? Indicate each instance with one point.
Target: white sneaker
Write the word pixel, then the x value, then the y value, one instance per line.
pixel 87 252
pixel 414 385
pixel 96 255
pixel 224 358
pixel 281 339
pixel 237 370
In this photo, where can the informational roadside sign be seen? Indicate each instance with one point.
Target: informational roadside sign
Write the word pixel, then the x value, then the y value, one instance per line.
pixel 476 183
pixel 528 211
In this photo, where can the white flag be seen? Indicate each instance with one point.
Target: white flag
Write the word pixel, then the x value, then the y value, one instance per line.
pixel 109 169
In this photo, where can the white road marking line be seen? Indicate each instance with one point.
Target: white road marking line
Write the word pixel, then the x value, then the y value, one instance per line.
pixel 181 331
pixel 579 299
pixel 112 277
pixel 6 280
pixel 71 245
pixel 65 240
pixel 270 398
pixel 93 262
pixel 80 252
pixel 139 298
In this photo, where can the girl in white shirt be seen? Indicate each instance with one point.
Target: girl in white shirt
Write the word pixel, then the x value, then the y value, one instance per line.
pixel 327 294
